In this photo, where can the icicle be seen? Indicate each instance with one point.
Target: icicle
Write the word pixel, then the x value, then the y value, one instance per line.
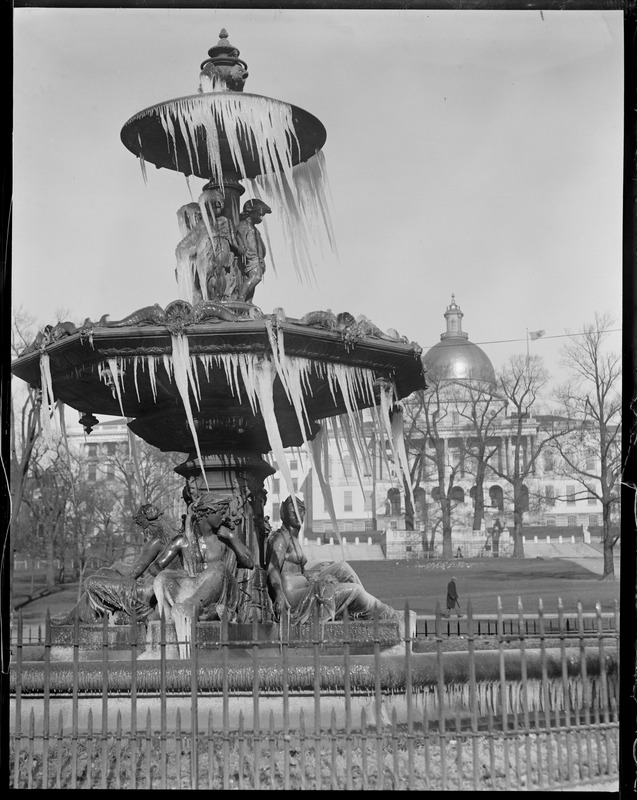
pixel 344 422
pixel 152 375
pixel 47 402
pixel 117 371
pixel 264 374
pixel 315 449
pixel 132 444
pixel 386 400
pixel 183 378
pixel 247 368
pixel 337 441
pixel 142 162
pixel 135 364
pixel 399 447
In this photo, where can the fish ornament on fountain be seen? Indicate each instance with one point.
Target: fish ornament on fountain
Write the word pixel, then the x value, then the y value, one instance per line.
pixel 211 375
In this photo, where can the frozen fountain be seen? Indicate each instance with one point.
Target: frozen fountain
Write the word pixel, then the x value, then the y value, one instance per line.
pixel 211 375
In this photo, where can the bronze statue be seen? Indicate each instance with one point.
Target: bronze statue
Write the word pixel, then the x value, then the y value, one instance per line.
pixel 332 586
pixel 211 551
pixel 209 248
pixel 251 247
pixel 125 588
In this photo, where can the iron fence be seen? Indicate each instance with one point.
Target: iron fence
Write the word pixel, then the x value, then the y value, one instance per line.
pixel 507 705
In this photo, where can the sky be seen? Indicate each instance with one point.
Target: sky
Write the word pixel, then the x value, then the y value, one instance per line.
pixel 476 153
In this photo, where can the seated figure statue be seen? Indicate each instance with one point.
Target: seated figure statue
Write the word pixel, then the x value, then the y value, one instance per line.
pixel 330 586
pixel 211 552
pixel 125 588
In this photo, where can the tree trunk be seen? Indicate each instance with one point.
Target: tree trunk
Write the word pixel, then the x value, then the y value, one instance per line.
pixel 447 546
pixel 478 511
pixel 409 509
pixel 50 563
pixel 608 541
pixel 518 525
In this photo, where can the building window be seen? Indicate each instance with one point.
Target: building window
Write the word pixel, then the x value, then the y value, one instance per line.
pixel 347 501
pixel 591 499
pixel 570 495
pixel 294 466
pixel 592 521
pixel 91 474
pixel 435 494
pixel 393 495
pixel 111 448
pixel 276 512
pixel 570 520
pixel 457 494
pixel 369 502
pixel 347 527
pixel 91 450
pixel 549 461
pixel 347 467
pixel 551 521
pixel 496 496
pixel 455 417
pixel 549 492
pixel 295 484
pixel 110 471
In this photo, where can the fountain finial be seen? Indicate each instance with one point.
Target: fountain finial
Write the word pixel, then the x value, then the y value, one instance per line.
pixel 223 69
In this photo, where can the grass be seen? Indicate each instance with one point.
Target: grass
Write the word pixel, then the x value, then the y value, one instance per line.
pixel 420 583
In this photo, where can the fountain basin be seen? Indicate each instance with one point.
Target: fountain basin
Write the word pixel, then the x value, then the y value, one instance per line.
pixel 216 115
pixel 82 363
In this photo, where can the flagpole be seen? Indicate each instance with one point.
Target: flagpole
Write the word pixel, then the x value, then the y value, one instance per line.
pixel 527 344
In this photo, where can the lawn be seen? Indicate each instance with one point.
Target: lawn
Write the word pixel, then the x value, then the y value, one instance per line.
pixel 423 584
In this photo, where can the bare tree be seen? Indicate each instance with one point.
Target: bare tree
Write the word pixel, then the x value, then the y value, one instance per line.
pixel 521 383
pixel 479 410
pixel 425 413
pixel 591 401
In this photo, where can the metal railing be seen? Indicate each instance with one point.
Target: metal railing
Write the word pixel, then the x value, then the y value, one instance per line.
pixel 528 704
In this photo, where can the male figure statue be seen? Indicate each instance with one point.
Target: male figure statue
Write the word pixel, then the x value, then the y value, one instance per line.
pixel 251 246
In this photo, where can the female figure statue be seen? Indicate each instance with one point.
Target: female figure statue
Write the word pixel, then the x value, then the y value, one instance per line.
pixel 124 588
pixel 211 552
pixel 332 586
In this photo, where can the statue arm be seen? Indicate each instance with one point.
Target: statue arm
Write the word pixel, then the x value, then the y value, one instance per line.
pixel 168 554
pixel 245 558
pixel 275 564
pixel 145 559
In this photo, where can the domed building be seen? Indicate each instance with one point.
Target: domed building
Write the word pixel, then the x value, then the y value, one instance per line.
pixel 369 501
pixel 455 358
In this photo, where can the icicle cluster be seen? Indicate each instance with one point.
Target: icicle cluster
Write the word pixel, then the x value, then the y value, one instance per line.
pixel 265 128
pixel 253 376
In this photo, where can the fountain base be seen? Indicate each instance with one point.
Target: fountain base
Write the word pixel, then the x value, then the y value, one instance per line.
pixel 363 636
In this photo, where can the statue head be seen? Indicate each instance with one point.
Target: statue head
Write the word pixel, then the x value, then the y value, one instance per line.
pixel 212 199
pixel 255 209
pixel 288 513
pixel 147 513
pixel 209 503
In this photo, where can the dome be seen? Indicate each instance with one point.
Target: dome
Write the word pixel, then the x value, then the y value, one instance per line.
pixel 455 357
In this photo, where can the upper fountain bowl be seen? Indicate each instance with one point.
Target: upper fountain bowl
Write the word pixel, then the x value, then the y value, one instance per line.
pixel 223 131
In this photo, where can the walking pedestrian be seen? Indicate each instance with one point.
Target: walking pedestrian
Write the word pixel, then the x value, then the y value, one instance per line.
pixel 452 598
